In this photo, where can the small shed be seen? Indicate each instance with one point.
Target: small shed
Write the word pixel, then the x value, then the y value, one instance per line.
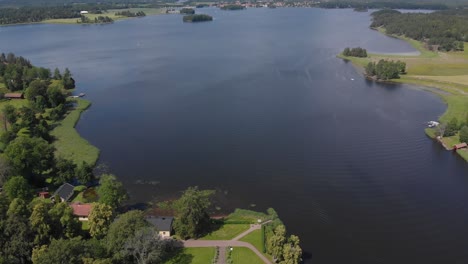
pixel 460 146
pixel 65 192
pixel 83 12
pixel 163 224
pixel 14 96
pixel 44 195
pixel 81 210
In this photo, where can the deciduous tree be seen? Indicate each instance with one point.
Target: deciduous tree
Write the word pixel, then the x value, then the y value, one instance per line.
pixel 18 187
pixel 99 220
pixel 111 191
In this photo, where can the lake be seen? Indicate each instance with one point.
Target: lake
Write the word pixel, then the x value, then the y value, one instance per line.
pixel 256 105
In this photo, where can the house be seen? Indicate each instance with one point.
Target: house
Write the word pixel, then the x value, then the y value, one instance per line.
pixel 84 12
pixel 81 210
pixel 14 96
pixel 163 224
pixel 65 192
pixel 44 195
pixel 460 146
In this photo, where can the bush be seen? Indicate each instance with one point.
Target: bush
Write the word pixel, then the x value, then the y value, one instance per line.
pixel 464 134
pixel 355 52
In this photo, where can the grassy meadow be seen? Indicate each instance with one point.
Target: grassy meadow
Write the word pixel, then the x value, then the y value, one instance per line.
pixel 193 256
pixel 110 13
pixel 68 143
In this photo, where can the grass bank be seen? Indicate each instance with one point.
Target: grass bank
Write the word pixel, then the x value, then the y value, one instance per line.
pixel 442 73
pixel 68 143
pixel 110 13
pixel 241 255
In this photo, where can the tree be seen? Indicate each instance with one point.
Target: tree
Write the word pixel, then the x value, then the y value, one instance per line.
pixel 122 229
pixel 18 207
pixel 452 127
pixel 36 88
pixel 18 240
pixel 276 243
pixel 84 173
pixel 191 209
pixel 55 95
pixel 64 222
pixel 9 113
pixel 64 171
pixel 5 170
pixel 68 81
pixel 18 187
pixel 464 134
pixel 70 251
pixel 29 156
pixel 147 247
pixel 99 220
pixel 111 191
pixel 57 75
pixel 292 252
pixel 41 224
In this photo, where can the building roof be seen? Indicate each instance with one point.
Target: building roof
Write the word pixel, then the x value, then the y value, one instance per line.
pixel 162 223
pixel 461 145
pixel 81 209
pixel 13 95
pixel 65 191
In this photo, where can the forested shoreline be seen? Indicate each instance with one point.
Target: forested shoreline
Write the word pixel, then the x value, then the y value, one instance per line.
pixel 442 30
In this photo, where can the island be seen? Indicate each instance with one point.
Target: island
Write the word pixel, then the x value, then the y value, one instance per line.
pixel 441 67
pixel 197 18
pixel 232 7
pixel 188 11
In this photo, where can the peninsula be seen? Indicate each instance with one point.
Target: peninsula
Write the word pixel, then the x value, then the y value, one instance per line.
pixel 441 67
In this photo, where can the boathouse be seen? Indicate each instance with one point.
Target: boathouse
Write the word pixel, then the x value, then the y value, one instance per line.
pixel 460 146
pixel 14 96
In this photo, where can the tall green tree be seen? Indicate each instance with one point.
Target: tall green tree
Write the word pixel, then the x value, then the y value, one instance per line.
pixel 464 134
pixel 191 209
pixel 18 207
pixel 41 224
pixel 68 81
pixel 452 127
pixel 18 187
pixel 292 252
pixel 30 156
pixel 84 173
pixel 100 218
pixel 146 247
pixel 276 243
pixel 122 229
pixel 64 170
pixel 111 191
pixel 70 251
pixel 65 224
pixel 18 240
pixel 57 74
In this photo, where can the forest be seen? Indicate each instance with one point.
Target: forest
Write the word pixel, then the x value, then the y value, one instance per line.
pixel 385 70
pixel 355 52
pixel 35 14
pixel 442 30
pixel 128 13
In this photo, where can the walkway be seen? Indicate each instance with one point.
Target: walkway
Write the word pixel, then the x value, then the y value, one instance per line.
pixel 223 244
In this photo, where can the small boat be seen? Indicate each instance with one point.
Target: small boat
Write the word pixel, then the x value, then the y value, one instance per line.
pixel 81 94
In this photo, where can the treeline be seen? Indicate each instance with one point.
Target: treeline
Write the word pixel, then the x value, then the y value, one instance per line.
pixel 128 13
pixel 96 20
pixel 355 52
pixel 380 5
pixel 385 70
pixel 232 7
pixel 35 14
pixel 188 11
pixel 442 30
pixel 197 18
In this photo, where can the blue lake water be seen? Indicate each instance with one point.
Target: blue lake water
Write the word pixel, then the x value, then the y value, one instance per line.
pixel 256 105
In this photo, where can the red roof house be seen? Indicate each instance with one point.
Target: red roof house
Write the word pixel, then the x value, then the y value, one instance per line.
pixel 460 146
pixel 14 95
pixel 81 210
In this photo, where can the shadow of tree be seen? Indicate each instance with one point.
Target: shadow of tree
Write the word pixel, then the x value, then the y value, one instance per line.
pixel 179 257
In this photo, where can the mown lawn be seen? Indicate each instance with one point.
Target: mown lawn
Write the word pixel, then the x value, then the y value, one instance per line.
pixel 193 256
pixel 254 238
pixel 240 255
pixel 68 143
pixel 226 232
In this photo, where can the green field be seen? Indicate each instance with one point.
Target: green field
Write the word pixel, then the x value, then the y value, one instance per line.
pixel 226 232
pixel 68 143
pixel 254 238
pixel 193 256
pixel 110 13
pixel 443 73
pixel 240 255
